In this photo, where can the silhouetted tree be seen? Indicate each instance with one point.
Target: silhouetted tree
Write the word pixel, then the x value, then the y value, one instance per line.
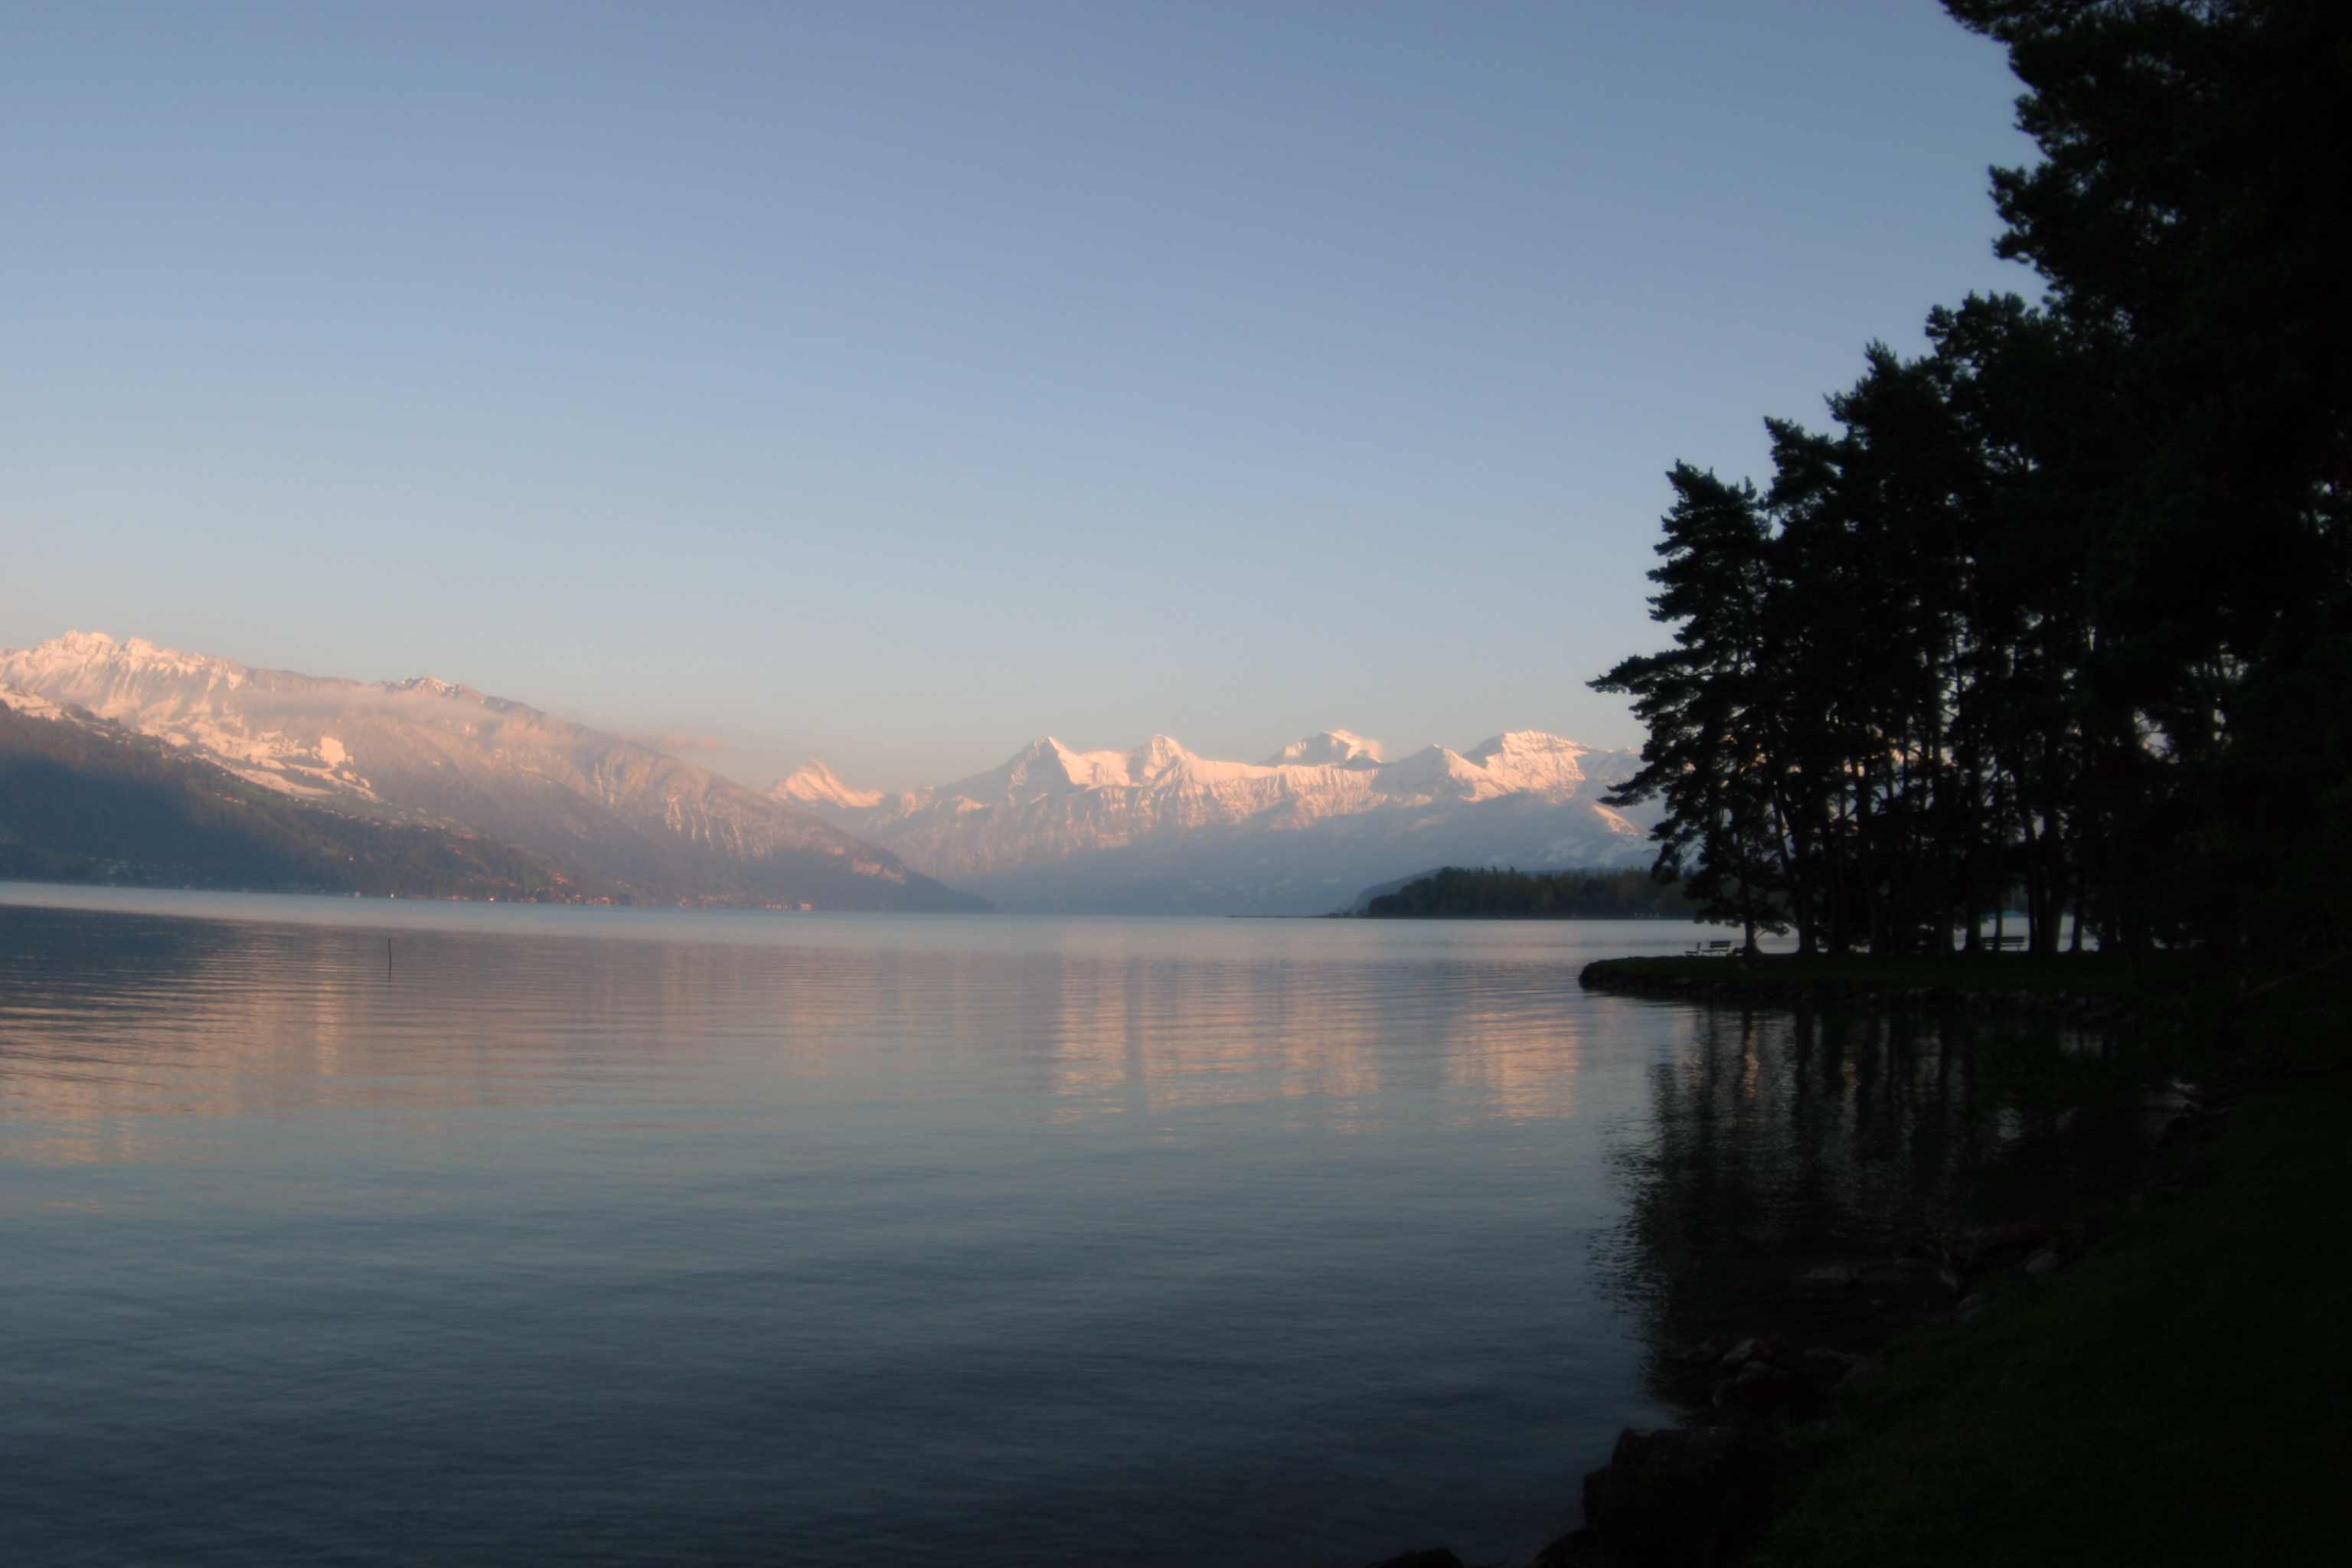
pixel 2063 606
pixel 1707 702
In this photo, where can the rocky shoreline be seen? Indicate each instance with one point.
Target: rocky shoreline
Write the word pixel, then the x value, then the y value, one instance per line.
pixel 1761 1403
pixel 1704 1491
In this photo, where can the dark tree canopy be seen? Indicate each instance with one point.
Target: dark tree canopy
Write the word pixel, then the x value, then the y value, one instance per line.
pixel 2061 612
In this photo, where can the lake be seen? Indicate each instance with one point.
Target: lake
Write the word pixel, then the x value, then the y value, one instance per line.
pixel 376 1232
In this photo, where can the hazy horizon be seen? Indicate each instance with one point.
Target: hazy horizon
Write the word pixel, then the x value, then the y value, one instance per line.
pixel 899 386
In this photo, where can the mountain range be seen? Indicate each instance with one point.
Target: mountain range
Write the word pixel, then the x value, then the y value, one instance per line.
pixel 1154 829
pixel 83 799
pixel 601 809
pixel 1161 829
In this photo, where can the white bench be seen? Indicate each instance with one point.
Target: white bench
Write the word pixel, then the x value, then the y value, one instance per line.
pixel 1718 947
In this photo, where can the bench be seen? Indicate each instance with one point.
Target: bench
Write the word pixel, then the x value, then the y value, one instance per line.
pixel 1718 947
pixel 2001 944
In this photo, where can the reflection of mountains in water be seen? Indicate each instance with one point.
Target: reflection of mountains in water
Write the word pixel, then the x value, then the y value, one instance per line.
pixel 364 1016
pixel 1782 1140
pixel 1141 1037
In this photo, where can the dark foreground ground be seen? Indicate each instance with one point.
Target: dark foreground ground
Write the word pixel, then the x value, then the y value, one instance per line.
pixel 2180 1394
pixel 2181 1391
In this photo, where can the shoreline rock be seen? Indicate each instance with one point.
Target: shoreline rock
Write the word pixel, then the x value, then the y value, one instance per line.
pixel 1677 1495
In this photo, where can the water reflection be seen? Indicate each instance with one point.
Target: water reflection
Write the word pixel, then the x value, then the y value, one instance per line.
pixel 240 1016
pixel 567 1236
pixel 1781 1138
pixel 836 1241
pixel 1135 1038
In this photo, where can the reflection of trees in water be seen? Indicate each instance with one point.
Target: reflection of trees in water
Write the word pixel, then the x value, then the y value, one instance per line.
pixel 1778 1140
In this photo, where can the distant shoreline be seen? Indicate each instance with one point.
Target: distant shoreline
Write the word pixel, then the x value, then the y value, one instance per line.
pixel 1479 915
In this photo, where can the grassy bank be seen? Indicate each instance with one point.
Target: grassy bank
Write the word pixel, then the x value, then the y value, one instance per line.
pixel 2175 1396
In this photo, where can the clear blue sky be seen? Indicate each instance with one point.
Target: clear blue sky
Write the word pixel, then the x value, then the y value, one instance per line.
pixel 898 382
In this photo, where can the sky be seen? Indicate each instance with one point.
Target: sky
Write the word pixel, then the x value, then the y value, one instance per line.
pixel 899 382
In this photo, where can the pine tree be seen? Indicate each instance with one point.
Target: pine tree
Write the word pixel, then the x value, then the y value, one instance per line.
pixel 1708 707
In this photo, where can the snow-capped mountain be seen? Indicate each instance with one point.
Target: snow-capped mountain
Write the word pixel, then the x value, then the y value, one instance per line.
pixel 1161 829
pixel 432 750
pixel 86 799
pixel 813 784
pixel 1332 748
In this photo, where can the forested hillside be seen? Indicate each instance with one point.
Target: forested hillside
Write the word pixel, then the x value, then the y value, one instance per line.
pixel 1484 892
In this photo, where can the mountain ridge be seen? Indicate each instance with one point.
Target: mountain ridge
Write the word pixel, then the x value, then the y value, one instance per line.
pixel 429 749
pixel 1157 827
pixel 84 799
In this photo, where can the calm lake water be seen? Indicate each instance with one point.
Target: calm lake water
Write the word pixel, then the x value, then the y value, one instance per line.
pixel 366 1232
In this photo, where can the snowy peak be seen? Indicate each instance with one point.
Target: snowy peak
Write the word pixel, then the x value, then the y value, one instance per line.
pixel 1532 760
pixel 1157 828
pixel 1155 759
pixel 1331 749
pixel 1044 767
pixel 1047 768
pixel 430 686
pixel 1318 774
pixel 74 651
pixel 93 660
pixel 1047 765
pixel 1437 773
pixel 813 784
